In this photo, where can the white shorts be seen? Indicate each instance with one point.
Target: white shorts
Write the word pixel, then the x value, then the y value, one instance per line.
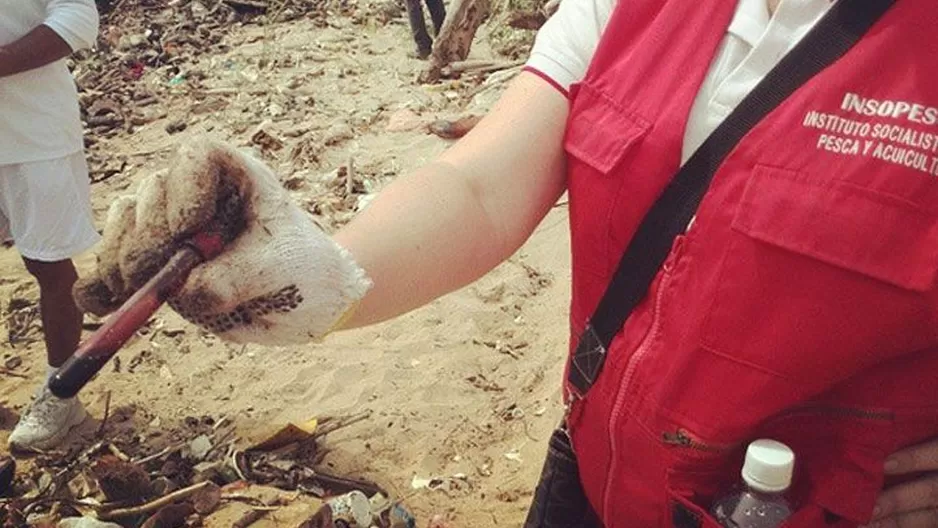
pixel 45 208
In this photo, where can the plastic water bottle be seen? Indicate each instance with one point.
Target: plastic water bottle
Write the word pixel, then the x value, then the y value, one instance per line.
pixel 760 502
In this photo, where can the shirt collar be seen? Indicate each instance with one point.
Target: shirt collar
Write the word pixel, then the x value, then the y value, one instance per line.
pixel 750 21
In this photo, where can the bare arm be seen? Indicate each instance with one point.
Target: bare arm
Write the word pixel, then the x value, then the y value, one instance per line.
pixel 447 224
pixel 37 48
pixel 69 25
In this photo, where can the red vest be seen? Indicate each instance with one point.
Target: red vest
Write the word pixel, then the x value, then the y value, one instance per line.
pixel 801 305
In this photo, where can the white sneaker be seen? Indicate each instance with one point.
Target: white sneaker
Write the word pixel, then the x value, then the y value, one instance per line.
pixel 47 422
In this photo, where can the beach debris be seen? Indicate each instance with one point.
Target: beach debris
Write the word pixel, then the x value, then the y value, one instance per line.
pixel 288 434
pixel 250 517
pixel 200 446
pixel 206 499
pixel 85 522
pixel 13 362
pixel 479 381
pixel 529 20
pixel 265 139
pixel 454 129
pixel 355 510
pixel 455 37
pixel 7 472
pixel 171 515
pixel 200 463
pixel 453 482
pixel 177 125
pixel 512 412
pixel 22 321
pixel 121 481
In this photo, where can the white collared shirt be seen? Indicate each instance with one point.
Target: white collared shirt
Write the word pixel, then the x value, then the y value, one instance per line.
pixel 39 114
pixel 755 42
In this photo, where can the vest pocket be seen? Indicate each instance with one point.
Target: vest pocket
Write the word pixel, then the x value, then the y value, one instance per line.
pixel 861 230
pixel 839 464
pixel 839 455
pixel 822 279
pixel 599 131
pixel 688 510
pixel 689 494
pixel 685 514
pixel 599 140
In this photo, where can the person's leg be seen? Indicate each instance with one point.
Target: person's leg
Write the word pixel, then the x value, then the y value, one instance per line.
pixel 48 207
pixel 49 419
pixel 61 320
pixel 6 237
pixel 437 14
pixel 418 27
pixel 559 500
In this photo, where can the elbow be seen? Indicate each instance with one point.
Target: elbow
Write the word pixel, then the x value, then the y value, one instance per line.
pixel 512 215
pixel 506 230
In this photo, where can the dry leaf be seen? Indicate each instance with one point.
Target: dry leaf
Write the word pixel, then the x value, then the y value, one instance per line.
pixel 286 435
pixel 172 516
pixel 120 480
pixel 207 499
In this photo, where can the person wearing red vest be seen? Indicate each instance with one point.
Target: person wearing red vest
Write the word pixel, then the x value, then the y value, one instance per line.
pixel 800 304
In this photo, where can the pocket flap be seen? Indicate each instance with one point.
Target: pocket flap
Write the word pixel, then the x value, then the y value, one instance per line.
pixel 876 234
pixel 599 131
pixel 686 514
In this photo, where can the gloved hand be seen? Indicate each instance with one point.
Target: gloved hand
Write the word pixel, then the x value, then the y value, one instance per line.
pixel 280 280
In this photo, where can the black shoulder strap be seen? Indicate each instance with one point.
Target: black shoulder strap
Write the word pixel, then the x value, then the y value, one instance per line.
pixel 845 23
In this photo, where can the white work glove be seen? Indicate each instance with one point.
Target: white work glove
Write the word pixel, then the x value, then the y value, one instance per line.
pixel 281 280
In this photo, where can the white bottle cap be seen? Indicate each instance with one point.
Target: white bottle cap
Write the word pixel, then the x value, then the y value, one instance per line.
pixel 769 465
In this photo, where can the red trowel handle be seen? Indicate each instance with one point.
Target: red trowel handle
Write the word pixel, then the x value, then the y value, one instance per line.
pixel 92 355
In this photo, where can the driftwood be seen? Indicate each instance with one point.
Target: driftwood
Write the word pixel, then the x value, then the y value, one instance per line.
pixel 169 515
pixel 478 66
pixel 107 414
pixel 8 372
pixel 455 39
pixel 529 20
pixel 247 5
pixel 155 505
pixel 551 7
pixel 331 425
pixel 165 452
pixel 250 517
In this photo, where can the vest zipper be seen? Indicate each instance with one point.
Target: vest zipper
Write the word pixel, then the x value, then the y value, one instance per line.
pixel 683 439
pixel 636 358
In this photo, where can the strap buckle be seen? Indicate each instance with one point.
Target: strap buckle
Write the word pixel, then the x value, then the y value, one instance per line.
pixel 586 362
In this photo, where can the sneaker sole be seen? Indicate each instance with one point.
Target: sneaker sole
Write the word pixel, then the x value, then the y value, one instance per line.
pixel 74 419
